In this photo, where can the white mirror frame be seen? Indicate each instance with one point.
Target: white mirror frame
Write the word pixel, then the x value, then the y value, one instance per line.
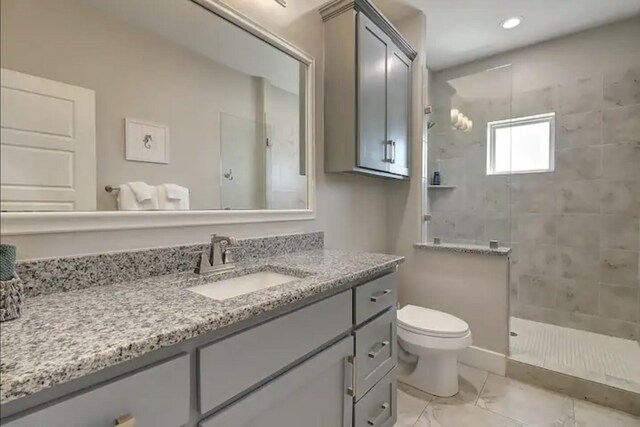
pixel 17 223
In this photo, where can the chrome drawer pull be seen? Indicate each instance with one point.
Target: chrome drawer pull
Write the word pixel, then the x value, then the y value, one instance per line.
pixel 378 417
pixel 374 354
pixel 375 298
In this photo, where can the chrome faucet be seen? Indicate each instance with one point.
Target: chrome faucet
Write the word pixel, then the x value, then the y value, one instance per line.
pixel 218 257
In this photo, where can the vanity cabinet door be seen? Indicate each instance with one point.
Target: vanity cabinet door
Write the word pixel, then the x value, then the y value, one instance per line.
pixel 314 394
pixel 154 397
pixel 398 111
pixel 373 48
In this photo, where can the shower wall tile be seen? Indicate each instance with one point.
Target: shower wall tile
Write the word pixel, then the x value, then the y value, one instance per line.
pixel 581 95
pixel 534 102
pixel 452 171
pixel 537 290
pixel 622 88
pixel 533 197
pixel 446 200
pixel 579 196
pixel 620 197
pixel 579 130
pixel 535 229
pixel 577 296
pixel 497 229
pixel 622 160
pixel 619 267
pixel 578 263
pixel 619 232
pixel 442 225
pixel 621 124
pixel 619 302
pixel 538 259
pixel 469 227
pixel 578 163
pixel 582 231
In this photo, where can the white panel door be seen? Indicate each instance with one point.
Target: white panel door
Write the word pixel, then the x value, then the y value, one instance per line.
pixel 47 145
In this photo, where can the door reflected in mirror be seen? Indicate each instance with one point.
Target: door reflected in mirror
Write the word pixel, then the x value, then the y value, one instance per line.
pixel 146 105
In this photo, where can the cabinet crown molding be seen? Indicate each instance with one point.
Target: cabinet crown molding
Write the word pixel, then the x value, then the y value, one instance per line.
pixel 337 7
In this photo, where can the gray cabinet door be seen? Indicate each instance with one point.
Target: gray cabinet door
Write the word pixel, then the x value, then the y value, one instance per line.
pixel 398 110
pixel 314 394
pixel 373 53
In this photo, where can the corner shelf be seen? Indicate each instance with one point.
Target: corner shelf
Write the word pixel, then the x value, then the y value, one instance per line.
pixel 444 187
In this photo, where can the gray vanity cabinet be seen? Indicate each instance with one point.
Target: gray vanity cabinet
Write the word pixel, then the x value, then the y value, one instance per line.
pixel 314 394
pixel 367 92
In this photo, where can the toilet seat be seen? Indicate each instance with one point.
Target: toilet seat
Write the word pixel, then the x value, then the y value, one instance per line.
pixel 433 323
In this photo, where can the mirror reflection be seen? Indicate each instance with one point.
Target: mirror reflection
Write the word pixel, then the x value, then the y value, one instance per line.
pixel 146 105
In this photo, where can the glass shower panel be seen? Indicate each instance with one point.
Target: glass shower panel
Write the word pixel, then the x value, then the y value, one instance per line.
pixel 469 205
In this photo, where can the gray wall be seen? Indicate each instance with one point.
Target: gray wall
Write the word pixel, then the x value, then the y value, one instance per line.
pixel 574 230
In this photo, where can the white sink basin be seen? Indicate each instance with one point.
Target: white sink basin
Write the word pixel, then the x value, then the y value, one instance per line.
pixel 229 288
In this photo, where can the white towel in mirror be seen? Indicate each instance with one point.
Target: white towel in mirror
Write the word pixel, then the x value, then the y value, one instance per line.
pixel 173 197
pixel 127 200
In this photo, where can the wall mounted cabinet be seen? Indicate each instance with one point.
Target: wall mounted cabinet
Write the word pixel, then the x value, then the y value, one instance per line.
pixel 367 92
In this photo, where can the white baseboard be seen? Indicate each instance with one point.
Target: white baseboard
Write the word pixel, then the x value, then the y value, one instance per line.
pixel 483 359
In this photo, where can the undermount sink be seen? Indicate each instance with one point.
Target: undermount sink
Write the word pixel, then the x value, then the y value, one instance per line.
pixel 235 286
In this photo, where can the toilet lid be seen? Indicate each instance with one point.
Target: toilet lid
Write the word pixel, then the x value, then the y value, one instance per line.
pixel 425 321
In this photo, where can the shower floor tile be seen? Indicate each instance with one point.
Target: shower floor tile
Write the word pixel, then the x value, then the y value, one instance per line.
pixel 601 358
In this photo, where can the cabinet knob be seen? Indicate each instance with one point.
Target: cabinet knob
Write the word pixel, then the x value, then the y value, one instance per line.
pixel 126 420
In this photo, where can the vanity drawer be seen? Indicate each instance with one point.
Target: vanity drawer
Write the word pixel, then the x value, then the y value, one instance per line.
pixel 375 296
pixel 376 351
pixel 154 397
pixel 378 408
pixel 231 366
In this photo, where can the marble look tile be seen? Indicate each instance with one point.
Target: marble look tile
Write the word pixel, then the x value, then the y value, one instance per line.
pixel 441 225
pixel 537 290
pixel 622 88
pixel 410 407
pixel 452 412
pixel 534 196
pixel 619 232
pixel 452 171
pixel 527 404
pixel 446 200
pixel 621 160
pixel 497 229
pixel 533 102
pixel 578 163
pixel 619 302
pixel 538 260
pixel 469 227
pixel 535 229
pixel 579 263
pixel 621 125
pixel 577 296
pixel 619 267
pixel 592 415
pixel 579 130
pixel 581 95
pixel 579 196
pixel 471 381
pixel 620 197
pixel 579 231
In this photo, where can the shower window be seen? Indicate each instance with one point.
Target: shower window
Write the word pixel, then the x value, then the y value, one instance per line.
pixel 521 145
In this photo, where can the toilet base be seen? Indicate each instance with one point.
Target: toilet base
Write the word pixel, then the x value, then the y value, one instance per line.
pixel 436 373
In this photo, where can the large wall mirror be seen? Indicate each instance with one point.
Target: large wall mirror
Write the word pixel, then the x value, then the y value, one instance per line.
pixel 182 106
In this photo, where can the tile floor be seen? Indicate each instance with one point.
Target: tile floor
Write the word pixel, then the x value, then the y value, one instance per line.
pixel 601 358
pixel 488 400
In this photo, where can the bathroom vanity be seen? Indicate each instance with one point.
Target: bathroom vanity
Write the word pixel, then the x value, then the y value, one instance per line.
pixel 319 350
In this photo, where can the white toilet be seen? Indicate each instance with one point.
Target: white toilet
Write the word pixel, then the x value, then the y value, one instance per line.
pixel 433 338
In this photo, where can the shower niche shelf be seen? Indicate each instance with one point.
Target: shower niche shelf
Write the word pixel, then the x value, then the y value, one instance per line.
pixel 443 187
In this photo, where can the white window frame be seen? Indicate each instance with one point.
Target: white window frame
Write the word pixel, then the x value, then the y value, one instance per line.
pixel 520 121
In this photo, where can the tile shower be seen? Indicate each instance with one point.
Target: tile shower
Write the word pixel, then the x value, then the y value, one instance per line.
pixel 574 231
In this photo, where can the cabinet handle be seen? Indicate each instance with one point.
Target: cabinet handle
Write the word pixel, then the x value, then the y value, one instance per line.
pixel 374 354
pixel 393 152
pixel 350 365
pixel 126 421
pixel 375 298
pixel 387 156
pixel 378 417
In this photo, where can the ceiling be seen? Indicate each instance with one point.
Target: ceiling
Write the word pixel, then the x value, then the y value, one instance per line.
pixel 459 31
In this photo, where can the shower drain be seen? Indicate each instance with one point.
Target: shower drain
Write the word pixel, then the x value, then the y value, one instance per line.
pixel 513 334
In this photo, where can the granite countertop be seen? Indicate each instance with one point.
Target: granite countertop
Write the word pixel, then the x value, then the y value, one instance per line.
pixel 66 335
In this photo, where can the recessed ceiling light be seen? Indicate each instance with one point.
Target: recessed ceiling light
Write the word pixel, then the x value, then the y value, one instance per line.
pixel 512 22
